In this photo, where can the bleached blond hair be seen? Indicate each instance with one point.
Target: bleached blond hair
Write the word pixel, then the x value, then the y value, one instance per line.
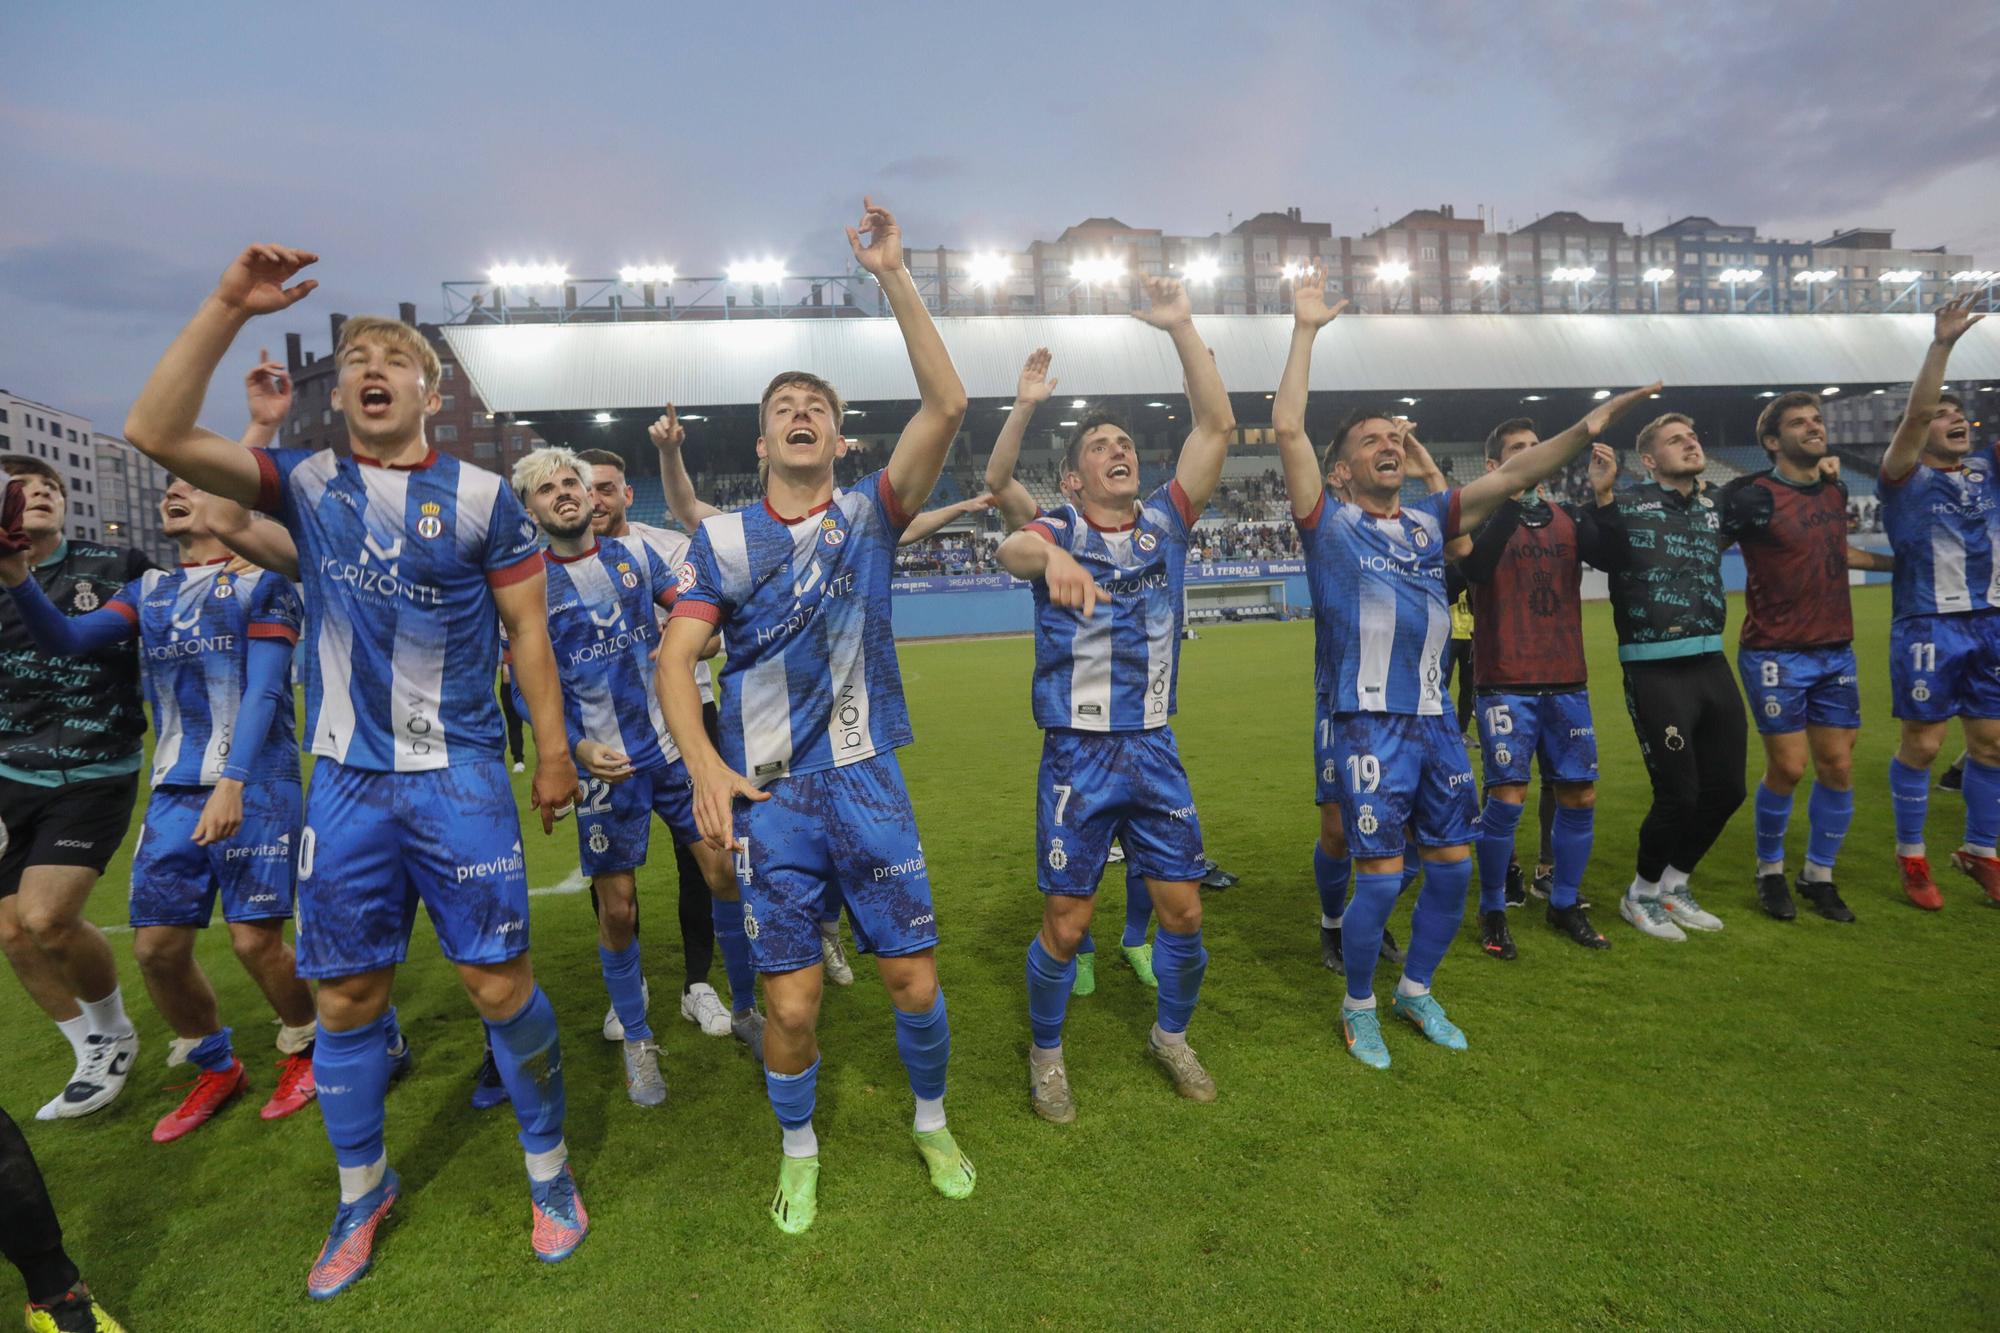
pixel 538 465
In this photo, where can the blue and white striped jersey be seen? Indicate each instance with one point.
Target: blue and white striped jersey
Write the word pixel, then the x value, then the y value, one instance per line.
pixel 402 638
pixel 811 680
pixel 1381 624
pixel 671 545
pixel 195 626
pixel 1116 670
pixel 1941 524
pixel 603 624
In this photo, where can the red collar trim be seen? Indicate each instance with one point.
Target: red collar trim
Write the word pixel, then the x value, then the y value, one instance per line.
pixel 1099 527
pixel 204 564
pixel 571 559
pixel 430 457
pixel 788 522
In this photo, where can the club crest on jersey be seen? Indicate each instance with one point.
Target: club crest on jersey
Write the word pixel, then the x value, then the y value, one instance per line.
pixel 85 597
pixel 684 575
pixel 599 843
pixel 223 586
pixel 626 576
pixel 429 525
pixel 1420 538
pixel 1058 858
pixel 1366 824
pixel 831 530
pixel 1147 541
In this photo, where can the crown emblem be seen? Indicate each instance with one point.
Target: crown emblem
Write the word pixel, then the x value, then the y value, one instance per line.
pixel 431 507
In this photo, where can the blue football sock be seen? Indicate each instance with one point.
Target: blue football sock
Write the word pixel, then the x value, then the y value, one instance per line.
pixel 214 1054
pixel 1330 877
pixel 793 1095
pixel 528 1052
pixel 1413 866
pixel 392 1032
pixel 1774 816
pixel 1138 909
pixel 1179 962
pixel 1496 851
pixel 1440 908
pixel 1910 791
pixel 924 1042
pixel 1572 836
pixel 1361 932
pixel 1828 813
pixel 1048 993
pixel 1982 804
pixel 623 979
pixel 352 1071
pixel 735 946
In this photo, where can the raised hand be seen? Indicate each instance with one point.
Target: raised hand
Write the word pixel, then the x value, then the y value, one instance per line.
pixel 884 251
pixel 1035 385
pixel 1603 468
pixel 269 389
pixel 1418 465
pixel 1310 308
pixel 667 432
pixel 1829 467
pixel 1168 303
pixel 1953 319
pixel 255 282
pixel 1599 418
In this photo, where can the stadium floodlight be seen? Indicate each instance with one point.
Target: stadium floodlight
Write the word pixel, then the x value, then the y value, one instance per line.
pixel 1809 276
pixel 1577 275
pixel 527 275
pixel 989 269
pixel 1407 402
pixel 1732 276
pixel 602 418
pixel 1657 275
pixel 1207 268
pixel 1533 397
pixel 692 416
pixel 1901 275
pixel 756 272
pixel 1293 270
pixel 637 275
pixel 1156 404
pixel 1098 272
pixel 1980 275
pixel 1600 395
pixel 1484 273
pixel 1768 393
pixel 1829 391
pixel 1079 404
pixel 1065 423
pixel 1391 270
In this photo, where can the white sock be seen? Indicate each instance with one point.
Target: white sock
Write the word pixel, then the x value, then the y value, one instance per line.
pixel 1045 1055
pixel 1673 880
pixel 1772 868
pixel 546 1166
pixel 76 1029
pixel 1330 922
pixel 1166 1038
pixel 1815 873
pixel 1643 887
pixel 1909 849
pixel 801 1142
pixel 1405 986
pixel 930 1115
pixel 1986 852
pixel 1349 1003
pixel 292 1040
pixel 356 1181
pixel 107 1016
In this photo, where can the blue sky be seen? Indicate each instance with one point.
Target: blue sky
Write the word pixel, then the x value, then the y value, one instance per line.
pixel 142 145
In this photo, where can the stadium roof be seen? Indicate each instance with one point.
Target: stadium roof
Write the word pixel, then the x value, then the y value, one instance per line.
pixel 584 367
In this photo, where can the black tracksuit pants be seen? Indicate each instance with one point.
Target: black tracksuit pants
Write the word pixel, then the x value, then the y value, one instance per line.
pixel 1689 716
pixel 30 1236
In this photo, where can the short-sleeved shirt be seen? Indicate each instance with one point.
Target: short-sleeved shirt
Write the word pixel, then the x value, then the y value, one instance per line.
pixel 1794 543
pixel 1115 670
pixel 195 624
pixel 1941 524
pixel 402 637
pixel 605 630
pixel 671 544
pixel 811 680
pixel 1382 626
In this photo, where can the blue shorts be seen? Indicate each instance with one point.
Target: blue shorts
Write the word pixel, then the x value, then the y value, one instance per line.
pixel 1941 667
pixel 376 843
pixel 1099 785
pixel 1326 768
pixel 175 882
pixel 1792 688
pixel 841 836
pixel 1515 729
pixel 1399 769
pixel 614 821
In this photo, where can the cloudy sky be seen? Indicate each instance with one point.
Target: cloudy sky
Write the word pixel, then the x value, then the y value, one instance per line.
pixel 142 145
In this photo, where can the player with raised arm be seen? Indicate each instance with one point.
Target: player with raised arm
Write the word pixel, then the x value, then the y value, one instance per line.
pixel 411 561
pixel 1941 509
pixel 70 736
pixel 1662 546
pixel 1525 572
pixel 710 911
pixel 1797 652
pixel 1107 571
pixel 1378 576
pixel 225 802
pixel 812 715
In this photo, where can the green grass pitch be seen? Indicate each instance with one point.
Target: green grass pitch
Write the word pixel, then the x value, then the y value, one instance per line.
pixel 1782 1125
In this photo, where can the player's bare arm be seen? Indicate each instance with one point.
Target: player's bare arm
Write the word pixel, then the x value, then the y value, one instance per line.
pixel 1199 470
pixel 250 538
pixel 1531 467
pixel 1030 392
pixel 524 611
pixel 716 784
pixel 1880 562
pixel 931 521
pixel 1029 555
pixel 918 458
pixel 1952 321
pixel 667 435
pixel 162 423
pixel 1311 312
